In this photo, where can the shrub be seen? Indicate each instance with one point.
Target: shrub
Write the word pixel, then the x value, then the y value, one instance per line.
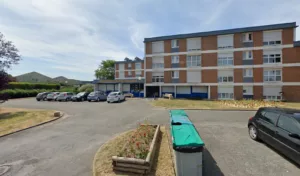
pixel 30 86
pixel 86 88
pixel 68 89
pixel 21 93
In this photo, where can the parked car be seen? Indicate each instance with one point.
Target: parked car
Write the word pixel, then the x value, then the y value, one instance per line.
pixel 97 96
pixel 42 96
pixel 52 96
pixel 115 97
pixel 64 96
pixel 279 128
pixel 82 96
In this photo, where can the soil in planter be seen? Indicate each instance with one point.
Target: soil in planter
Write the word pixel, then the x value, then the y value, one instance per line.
pixel 139 143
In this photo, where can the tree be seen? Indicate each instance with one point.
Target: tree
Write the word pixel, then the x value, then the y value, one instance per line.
pixel 86 88
pixel 9 54
pixel 3 84
pixel 106 70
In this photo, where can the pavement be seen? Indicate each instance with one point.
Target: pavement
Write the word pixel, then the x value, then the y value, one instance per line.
pixel 68 145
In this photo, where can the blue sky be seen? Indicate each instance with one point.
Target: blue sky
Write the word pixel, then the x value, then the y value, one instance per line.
pixel 71 37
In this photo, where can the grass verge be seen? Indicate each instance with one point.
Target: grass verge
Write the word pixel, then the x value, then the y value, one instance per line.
pixel 222 104
pixel 12 119
pixel 163 165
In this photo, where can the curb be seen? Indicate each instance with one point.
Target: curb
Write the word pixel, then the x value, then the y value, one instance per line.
pixel 94 160
pixel 33 126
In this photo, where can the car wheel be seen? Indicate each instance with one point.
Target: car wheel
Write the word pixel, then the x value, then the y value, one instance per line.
pixel 89 100
pixel 108 102
pixel 38 100
pixel 253 133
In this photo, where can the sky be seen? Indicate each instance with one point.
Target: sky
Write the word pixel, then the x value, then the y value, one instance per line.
pixel 71 37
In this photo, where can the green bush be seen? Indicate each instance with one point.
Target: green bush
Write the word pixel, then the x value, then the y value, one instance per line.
pixel 86 88
pixel 31 86
pixel 68 89
pixel 22 93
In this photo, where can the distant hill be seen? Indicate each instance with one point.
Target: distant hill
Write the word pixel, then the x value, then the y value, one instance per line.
pixel 35 77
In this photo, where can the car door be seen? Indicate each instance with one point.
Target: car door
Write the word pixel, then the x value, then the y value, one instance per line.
pixel 289 146
pixel 103 97
pixel 267 125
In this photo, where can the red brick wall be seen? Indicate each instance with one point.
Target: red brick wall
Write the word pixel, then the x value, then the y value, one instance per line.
pixel 257 92
pixel 209 59
pixel 288 36
pixel 257 75
pixel 291 55
pixel 168 76
pixel 182 45
pixel 258 38
pixel 182 61
pixel 257 57
pixel 182 76
pixel 238 92
pixel 209 76
pixel 213 92
pixel 238 58
pixel 148 77
pixel 117 66
pixel 291 74
pixel 149 63
pixel 209 43
pixel 238 40
pixel 167 46
pixel 149 48
pixel 291 93
pixel 167 61
pixel 238 75
pixel 117 75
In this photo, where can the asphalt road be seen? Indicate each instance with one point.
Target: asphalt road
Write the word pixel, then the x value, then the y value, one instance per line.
pixel 67 146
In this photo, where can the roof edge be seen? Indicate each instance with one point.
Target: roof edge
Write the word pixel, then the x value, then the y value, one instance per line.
pixel 224 32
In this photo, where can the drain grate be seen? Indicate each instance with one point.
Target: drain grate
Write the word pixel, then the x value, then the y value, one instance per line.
pixel 4 169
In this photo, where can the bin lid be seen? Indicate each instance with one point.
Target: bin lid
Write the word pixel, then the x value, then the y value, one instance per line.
pixel 186 139
pixel 179 119
pixel 177 112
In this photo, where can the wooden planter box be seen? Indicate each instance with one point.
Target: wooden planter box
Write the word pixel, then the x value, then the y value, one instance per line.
pixel 134 165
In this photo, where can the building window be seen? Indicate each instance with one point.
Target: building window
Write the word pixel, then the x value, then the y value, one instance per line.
pixel 138 66
pixel 272 98
pixel 247 90
pixel 157 65
pixel 157 47
pixel 248 72
pixel 157 78
pixel 129 65
pixel 175 59
pixel 193 61
pixel 272 75
pixel 175 43
pixel 223 61
pixel 272 37
pixel 272 58
pixel 175 74
pixel 138 73
pixel 225 41
pixel 225 79
pixel 247 55
pixel 129 73
pixel 225 95
pixel 193 44
pixel 247 37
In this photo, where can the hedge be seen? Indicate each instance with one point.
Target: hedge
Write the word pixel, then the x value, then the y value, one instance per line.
pixel 31 86
pixel 22 93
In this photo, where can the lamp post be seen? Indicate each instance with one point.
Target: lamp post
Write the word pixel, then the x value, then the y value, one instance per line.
pixel 139 78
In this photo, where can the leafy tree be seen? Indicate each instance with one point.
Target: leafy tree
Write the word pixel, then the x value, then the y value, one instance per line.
pixel 9 54
pixel 86 88
pixel 3 84
pixel 106 70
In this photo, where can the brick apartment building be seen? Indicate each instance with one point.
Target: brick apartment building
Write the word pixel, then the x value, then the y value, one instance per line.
pixel 261 62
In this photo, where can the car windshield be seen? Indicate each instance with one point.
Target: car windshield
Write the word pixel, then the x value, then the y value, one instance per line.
pixel 113 93
pixel 92 94
pixel 81 93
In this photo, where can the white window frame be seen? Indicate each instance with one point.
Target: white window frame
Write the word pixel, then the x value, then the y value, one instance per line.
pixel 272 73
pixel 225 61
pixel 189 48
pixel 193 61
pixel 246 37
pixel 175 74
pixel 248 72
pixel 175 59
pixel 225 79
pixel 158 79
pixel 273 97
pixel 272 42
pixel 138 73
pixel 158 65
pixel 247 54
pixel 129 65
pixel 138 67
pixel 162 47
pixel 272 57
pixel 245 92
pixel 175 43
pixel 129 73
pixel 225 96
pixel 225 47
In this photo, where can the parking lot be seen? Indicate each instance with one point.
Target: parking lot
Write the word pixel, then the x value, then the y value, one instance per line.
pixel 67 146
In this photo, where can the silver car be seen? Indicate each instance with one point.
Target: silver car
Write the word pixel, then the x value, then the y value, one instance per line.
pixel 64 96
pixel 52 96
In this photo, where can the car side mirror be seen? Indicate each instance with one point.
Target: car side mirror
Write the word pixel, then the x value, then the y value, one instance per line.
pixel 294 135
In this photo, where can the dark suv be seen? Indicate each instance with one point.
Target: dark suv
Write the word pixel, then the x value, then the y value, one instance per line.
pixel 279 128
